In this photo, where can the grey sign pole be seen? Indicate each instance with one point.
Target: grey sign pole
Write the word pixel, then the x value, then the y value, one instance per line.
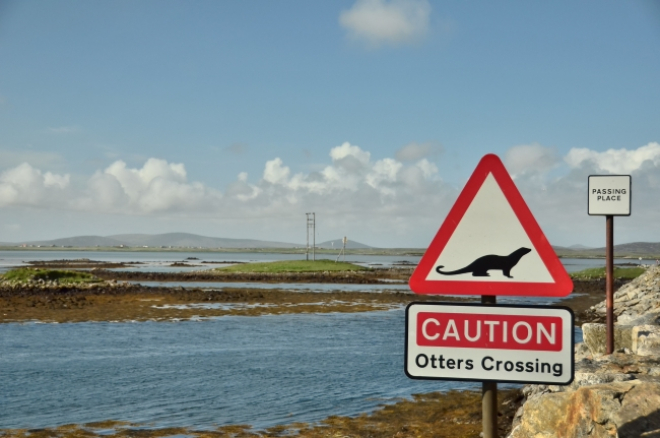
pixel 489 392
pixel 609 282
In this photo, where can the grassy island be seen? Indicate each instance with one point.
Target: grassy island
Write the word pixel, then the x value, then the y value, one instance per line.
pixel 36 275
pixel 599 273
pixel 294 266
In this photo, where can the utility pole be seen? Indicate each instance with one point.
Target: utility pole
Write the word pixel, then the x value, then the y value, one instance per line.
pixel 343 250
pixel 311 225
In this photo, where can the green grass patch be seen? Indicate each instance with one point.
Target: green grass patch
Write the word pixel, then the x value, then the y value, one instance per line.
pixel 598 273
pixel 25 275
pixel 294 266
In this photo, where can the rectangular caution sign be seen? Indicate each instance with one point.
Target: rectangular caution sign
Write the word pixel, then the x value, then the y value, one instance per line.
pixel 504 343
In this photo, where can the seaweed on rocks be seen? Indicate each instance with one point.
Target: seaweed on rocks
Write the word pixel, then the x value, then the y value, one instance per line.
pixel 452 414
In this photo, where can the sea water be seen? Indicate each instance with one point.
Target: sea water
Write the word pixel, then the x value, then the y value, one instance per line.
pixel 261 371
pixel 161 261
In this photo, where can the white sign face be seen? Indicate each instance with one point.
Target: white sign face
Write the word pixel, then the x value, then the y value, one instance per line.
pixel 521 344
pixel 490 244
pixel 501 234
pixel 610 195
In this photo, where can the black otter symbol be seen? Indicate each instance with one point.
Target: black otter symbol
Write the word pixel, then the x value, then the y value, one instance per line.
pixel 481 266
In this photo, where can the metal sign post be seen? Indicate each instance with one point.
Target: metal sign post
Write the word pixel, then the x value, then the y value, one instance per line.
pixel 609 282
pixel 489 392
pixel 609 196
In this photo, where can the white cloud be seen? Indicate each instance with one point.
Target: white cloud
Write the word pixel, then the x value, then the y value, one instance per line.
pixel 25 185
pixel 383 171
pixel 393 22
pixel 157 187
pixel 559 201
pixel 417 151
pixel 383 201
pixel 346 150
pixel 622 161
pixel 530 158
pixel 275 172
pixel 135 182
pixel 429 170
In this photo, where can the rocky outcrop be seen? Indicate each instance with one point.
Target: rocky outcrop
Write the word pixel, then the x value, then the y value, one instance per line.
pixel 637 302
pixel 615 395
pixel 612 396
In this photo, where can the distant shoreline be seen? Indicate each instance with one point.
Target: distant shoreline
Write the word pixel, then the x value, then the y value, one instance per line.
pixel 410 252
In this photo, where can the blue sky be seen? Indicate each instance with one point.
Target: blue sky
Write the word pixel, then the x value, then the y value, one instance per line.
pixel 232 119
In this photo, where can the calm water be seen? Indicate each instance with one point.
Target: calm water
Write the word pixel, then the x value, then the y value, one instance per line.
pixel 261 371
pixel 161 261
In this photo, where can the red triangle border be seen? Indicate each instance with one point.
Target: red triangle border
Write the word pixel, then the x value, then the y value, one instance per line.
pixel 491 164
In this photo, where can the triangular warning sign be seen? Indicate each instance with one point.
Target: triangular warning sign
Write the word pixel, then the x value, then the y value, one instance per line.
pixel 490 244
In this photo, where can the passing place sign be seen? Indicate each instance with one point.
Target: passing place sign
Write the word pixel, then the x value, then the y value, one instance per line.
pixel 609 195
pixel 526 344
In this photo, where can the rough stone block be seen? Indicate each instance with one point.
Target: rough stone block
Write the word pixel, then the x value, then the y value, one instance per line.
pixel 586 412
pixel 595 336
pixel 646 340
pixel 639 415
pixel 648 318
pixel 581 351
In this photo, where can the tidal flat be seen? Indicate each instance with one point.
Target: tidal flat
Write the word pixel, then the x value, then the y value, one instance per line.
pixel 452 414
pixel 117 301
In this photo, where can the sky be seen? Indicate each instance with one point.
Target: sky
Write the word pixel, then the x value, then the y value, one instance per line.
pixel 235 118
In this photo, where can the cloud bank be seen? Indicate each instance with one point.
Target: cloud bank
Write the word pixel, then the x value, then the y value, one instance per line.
pixel 351 179
pixel 391 201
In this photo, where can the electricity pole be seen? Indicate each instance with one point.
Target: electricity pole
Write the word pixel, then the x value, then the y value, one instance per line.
pixel 311 225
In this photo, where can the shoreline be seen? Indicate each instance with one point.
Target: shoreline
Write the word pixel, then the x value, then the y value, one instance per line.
pixel 404 252
pixel 451 414
pixel 119 301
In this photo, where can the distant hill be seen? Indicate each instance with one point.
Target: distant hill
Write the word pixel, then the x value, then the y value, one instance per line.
pixel 184 240
pixel 79 241
pixel 634 249
pixel 337 244
pixel 178 240
pixel 194 240
pixel 188 240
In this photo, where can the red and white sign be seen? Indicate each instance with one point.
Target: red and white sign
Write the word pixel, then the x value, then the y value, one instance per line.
pixel 490 244
pixel 501 343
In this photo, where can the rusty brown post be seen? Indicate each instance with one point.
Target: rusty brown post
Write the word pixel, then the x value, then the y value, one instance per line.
pixel 609 282
pixel 489 392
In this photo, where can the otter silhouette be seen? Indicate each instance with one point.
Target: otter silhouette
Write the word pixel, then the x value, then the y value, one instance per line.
pixel 481 266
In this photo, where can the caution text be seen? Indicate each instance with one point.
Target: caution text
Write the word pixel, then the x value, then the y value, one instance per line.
pixel 473 330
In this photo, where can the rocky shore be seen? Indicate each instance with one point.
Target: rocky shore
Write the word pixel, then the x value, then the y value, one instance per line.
pixel 615 395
